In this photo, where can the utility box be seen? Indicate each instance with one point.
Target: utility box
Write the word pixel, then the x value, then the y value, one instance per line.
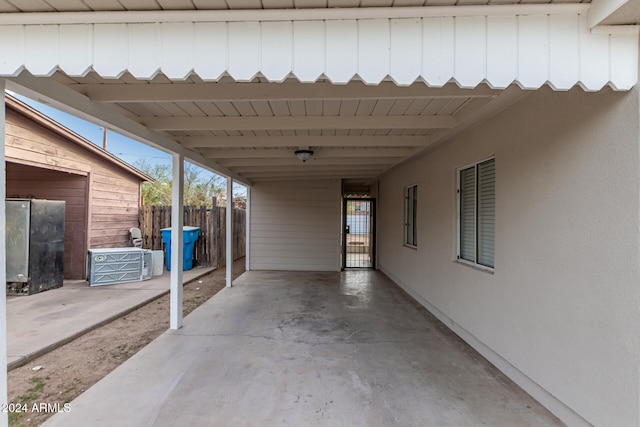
pixel 147 264
pixel 34 245
pixel 110 266
pixel 157 263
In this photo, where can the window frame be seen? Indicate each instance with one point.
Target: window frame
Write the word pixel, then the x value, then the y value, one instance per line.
pixel 414 216
pixel 458 193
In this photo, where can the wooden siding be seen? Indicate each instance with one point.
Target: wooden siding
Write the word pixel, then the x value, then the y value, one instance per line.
pixel 113 193
pixel 115 201
pixel 30 182
pixel 295 226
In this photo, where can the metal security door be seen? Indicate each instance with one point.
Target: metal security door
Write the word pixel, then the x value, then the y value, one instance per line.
pixel 358 243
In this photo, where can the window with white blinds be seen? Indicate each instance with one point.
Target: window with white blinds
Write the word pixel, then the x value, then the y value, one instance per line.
pixel 476 216
pixel 468 214
pixel 410 215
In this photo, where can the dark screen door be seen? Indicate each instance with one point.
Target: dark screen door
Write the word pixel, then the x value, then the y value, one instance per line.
pixel 358 242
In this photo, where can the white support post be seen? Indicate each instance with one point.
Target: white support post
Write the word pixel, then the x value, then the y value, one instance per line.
pixel 4 418
pixel 247 228
pixel 229 232
pixel 177 213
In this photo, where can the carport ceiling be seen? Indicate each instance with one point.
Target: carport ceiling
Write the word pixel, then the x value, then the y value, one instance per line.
pixel 250 130
pixel 253 129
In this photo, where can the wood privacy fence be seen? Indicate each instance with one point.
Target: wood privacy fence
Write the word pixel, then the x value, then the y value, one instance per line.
pixel 210 248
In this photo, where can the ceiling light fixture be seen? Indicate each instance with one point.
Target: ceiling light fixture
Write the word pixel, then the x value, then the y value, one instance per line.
pixel 304 155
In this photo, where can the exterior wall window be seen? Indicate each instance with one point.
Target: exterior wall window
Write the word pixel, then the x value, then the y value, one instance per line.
pixel 476 215
pixel 410 215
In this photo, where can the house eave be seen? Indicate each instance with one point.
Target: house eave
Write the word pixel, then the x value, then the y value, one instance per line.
pixel 25 110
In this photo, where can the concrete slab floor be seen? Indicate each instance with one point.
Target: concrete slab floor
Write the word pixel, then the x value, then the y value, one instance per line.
pixel 307 349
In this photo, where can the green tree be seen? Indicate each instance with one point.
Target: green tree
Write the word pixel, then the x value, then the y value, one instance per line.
pixel 200 187
pixel 158 192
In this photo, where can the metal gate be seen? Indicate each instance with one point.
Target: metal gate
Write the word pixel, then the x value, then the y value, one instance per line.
pixel 358 242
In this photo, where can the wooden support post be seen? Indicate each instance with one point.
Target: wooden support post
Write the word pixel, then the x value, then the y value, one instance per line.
pixel 177 212
pixel 229 232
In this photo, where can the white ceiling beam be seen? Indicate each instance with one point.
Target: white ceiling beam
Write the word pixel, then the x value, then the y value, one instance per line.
pixel 298 122
pixel 341 174
pixel 601 10
pixel 284 153
pixel 61 97
pixel 364 179
pixel 308 168
pixel 297 141
pixel 266 15
pixel 315 177
pixel 207 92
pixel 230 163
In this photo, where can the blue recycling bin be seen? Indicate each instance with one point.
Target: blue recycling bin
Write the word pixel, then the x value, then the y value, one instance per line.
pixel 189 237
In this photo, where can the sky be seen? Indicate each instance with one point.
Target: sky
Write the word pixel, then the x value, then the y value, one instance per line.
pixel 120 146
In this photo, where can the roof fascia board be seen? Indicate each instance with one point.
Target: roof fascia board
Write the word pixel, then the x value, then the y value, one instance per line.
pixel 67 100
pixel 601 10
pixel 267 15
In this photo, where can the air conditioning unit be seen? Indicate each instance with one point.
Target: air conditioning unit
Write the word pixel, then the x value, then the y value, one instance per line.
pixel 109 266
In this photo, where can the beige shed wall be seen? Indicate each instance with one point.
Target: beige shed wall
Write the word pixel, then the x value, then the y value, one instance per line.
pixel 295 225
pixel 560 312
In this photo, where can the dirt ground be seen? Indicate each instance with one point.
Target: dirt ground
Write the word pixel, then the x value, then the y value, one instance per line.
pixel 74 367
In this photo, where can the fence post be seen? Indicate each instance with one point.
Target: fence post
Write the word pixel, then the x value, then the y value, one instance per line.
pixel 216 232
pixel 203 241
pixel 210 249
pixel 222 241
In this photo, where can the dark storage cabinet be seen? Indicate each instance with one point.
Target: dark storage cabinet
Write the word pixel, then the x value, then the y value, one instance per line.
pixel 35 245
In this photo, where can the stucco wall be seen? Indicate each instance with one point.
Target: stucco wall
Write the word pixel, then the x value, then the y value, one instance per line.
pixel 295 226
pixel 560 311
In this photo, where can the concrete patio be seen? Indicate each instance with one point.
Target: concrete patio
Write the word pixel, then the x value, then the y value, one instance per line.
pixel 37 324
pixel 287 348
